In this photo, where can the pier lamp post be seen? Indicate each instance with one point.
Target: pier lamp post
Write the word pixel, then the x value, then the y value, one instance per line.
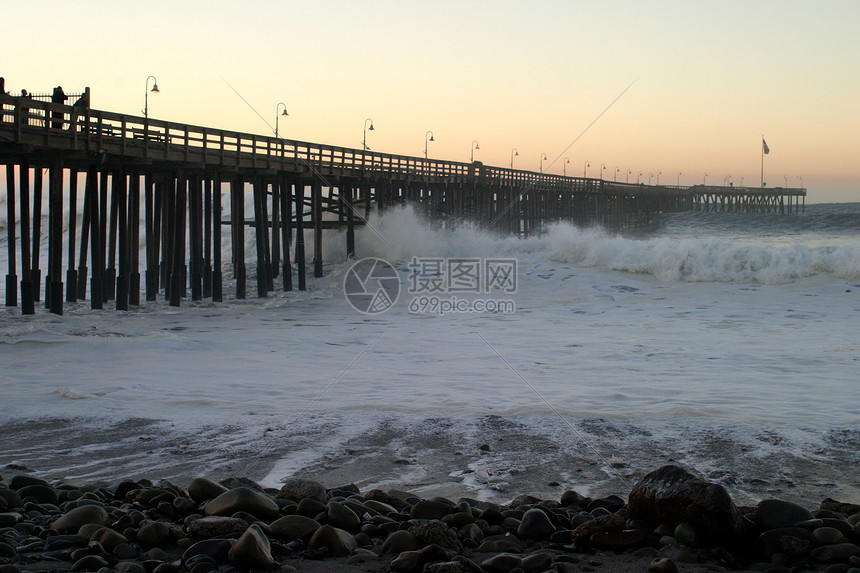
pixel 659 173
pixel 564 166
pixel 742 181
pixel 278 116
pixel 638 178
pixel 679 179
pixel 705 179
pixel 426 140
pixel 514 153
pixel 474 147
pixel 585 169
pixel 801 181
pixel 650 175
pixel 364 146
pixel 615 175
pixel 602 169
pixel 786 179
pixel 627 177
pixel 146 94
pixel 542 157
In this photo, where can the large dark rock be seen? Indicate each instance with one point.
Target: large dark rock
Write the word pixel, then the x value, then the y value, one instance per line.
pixel 673 495
pixel 243 499
pixel 776 514
pixel 252 550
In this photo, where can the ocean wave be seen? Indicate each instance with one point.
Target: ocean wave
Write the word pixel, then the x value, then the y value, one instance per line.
pixel 401 234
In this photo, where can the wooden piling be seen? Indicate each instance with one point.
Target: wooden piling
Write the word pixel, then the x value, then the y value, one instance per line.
pixel 316 217
pixel 134 240
pixel 72 273
pixel 301 266
pixel 217 279
pixel 286 212
pixel 35 272
pixel 11 274
pixel 119 210
pixel 28 295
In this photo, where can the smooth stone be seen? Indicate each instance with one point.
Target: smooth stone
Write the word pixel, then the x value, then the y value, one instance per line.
pixel 406 561
pixel 686 535
pixel 129 567
pixel 571 497
pixel 537 562
pixel 21 481
pixel 535 525
pixel 776 514
pixel 336 541
pixel 342 517
pixel 216 549
pixel 11 497
pixel 153 534
pixel 293 527
pixel 202 488
pixel 41 493
pixel 252 550
pixel 672 494
pixel 64 542
pixel 837 552
pixel 310 507
pixel 662 565
pixel 772 543
pixel 501 563
pixel 90 563
pixel 380 506
pixel 108 538
pixel 74 519
pixel 429 509
pixel 297 489
pixel 125 551
pixel 827 536
pixel 445 567
pixel 398 542
pixel 9 519
pixel 243 499
pixel 215 525
pixel 611 503
pixel 7 551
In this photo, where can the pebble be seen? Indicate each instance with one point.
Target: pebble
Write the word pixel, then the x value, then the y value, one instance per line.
pixel 243 499
pixel 252 550
pixel 662 565
pixel 336 541
pixel 836 552
pixel 341 516
pixel 430 509
pixel 535 525
pixel 74 519
pixel 293 527
pixel 297 489
pixel 502 563
pixel 827 536
pixel 202 488
pixel 776 513
pixel 214 549
pixel 398 542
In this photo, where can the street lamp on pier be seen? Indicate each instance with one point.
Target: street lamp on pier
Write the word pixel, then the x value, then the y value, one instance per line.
pixel 514 153
pixel 801 181
pixel 364 146
pixel 146 94
pixel 627 177
pixel 659 173
pixel 278 116
pixel 638 178
pixel 426 140
pixel 474 147
pixel 650 175
pixel 615 175
pixel 705 179
pixel 679 179
pixel 602 169
pixel 564 166
pixel 585 169
pixel 542 157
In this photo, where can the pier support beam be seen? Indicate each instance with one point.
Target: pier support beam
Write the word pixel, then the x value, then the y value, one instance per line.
pixel 11 276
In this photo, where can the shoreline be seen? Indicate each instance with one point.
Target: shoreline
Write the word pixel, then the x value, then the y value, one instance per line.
pixel 669 521
pixel 496 460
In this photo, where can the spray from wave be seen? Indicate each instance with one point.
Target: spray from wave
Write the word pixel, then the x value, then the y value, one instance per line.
pixel 401 234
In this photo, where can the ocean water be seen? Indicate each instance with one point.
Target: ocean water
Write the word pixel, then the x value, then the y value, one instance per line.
pixel 723 342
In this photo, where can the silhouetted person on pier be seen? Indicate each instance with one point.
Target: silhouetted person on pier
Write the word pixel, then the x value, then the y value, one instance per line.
pixel 59 96
pixel 25 111
pixel 2 85
pixel 83 101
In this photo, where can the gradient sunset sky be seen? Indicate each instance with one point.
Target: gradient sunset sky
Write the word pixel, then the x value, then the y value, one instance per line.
pixel 709 78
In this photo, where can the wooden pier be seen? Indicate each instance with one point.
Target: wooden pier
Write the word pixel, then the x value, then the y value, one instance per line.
pixel 181 176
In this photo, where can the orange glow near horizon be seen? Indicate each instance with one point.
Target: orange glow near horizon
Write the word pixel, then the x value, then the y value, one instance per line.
pixel 710 79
